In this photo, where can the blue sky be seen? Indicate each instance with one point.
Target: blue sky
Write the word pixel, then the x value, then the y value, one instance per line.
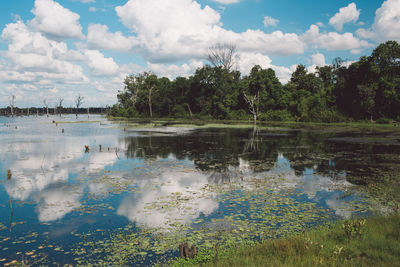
pixel 61 48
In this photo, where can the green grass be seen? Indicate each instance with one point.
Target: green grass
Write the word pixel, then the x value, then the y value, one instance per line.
pixel 371 242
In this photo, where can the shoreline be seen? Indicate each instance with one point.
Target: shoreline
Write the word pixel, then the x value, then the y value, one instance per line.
pixel 374 241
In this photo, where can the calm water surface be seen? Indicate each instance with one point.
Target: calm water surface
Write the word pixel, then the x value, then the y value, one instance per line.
pixel 153 188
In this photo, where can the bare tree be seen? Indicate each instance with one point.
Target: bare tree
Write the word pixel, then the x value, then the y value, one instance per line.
pixel 12 103
pixel 253 106
pixel 78 103
pixel 222 55
pixel 190 110
pixel 60 101
pixel 47 106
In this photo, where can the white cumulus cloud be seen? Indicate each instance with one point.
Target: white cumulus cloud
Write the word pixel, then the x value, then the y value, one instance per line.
pixel 346 14
pixel 270 21
pixel 32 56
pixel 182 29
pixel 386 24
pixel 334 41
pixel 100 38
pixel 318 59
pixel 249 60
pixel 99 64
pixel 172 71
pixel 55 20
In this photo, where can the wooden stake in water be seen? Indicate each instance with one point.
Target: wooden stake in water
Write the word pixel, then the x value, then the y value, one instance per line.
pixel 187 252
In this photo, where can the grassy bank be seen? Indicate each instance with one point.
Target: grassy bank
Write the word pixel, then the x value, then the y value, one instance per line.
pixel 373 241
pixel 363 242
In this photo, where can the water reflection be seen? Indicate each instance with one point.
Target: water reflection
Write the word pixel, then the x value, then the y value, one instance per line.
pixel 158 179
pixel 57 200
pixel 154 207
pixel 44 166
pixel 43 170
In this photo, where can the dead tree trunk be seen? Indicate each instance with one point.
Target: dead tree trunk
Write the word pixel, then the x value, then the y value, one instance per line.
pixel 12 103
pixel 190 111
pixel 150 106
pixel 187 252
pixel 253 107
pixel 258 101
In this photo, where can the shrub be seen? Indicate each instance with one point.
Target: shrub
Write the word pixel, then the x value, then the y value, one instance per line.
pixel 276 115
pixel 238 115
pixel 327 116
pixel 384 121
pixel 179 111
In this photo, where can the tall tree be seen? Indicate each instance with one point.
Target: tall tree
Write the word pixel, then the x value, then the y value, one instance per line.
pixel 182 101
pixel 150 82
pixel 78 102
pixel 12 103
pixel 163 97
pixel 265 86
pixel 46 104
pixel 367 98
pixel 60 102
pixel 222 55
pixel 386 60
pixel 132 85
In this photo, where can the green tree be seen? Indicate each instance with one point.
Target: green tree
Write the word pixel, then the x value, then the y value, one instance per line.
pixel 148 82
pixel 212 91
pixel 307 95
pixel 263 92
pixel 386 60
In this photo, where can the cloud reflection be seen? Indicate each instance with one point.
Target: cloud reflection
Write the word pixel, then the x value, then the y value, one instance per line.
pixel 42 165
pixel 55 202
pixel 186 185
pixel 42 170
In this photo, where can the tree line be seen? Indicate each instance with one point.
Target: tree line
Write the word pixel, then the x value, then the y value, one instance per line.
pixel 46 109
pixel 368 89
pixel 42 111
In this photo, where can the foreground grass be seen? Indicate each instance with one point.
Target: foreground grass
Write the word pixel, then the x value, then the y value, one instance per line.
pixel 368 242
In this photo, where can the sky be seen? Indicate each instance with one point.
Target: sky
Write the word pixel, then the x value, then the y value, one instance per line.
pixel 52 49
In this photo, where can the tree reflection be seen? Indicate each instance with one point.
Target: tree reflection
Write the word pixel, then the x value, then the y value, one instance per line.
pixel 215 150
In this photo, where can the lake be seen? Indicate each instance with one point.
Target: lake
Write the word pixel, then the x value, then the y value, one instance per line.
pixel 136 192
